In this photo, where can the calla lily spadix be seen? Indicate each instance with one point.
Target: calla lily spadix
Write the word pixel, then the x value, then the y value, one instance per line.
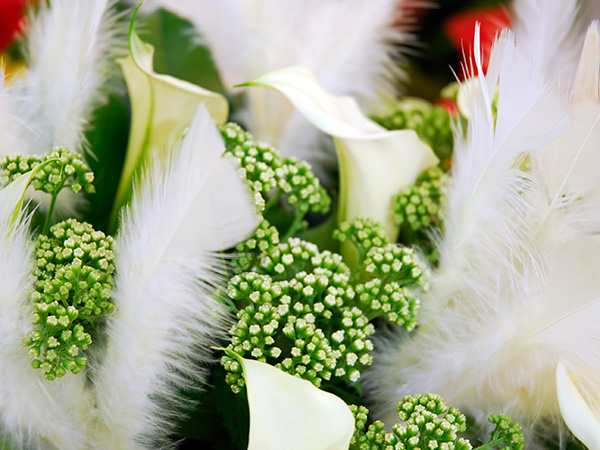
pixel 162 107
pixel 289 412
pixel 374 163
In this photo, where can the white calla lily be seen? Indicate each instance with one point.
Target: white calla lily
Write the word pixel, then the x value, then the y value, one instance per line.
pixel 579 417
pixel 162 107
pixel 291 413
pixel 374 163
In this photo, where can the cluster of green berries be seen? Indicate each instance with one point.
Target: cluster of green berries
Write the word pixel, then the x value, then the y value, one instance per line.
pixel 364 234
pixel 432 123
pixel 73 282
pixel 428 423
pixel 507 432
pixel 264 238
pixel 273 177
pixel 61 169
pixel 300 309
pixel 295 316
pixel 418 207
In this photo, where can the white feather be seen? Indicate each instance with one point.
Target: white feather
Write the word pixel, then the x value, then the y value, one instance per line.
pixel 34 413
pixel 486 178
pixel 348 44
pixel 71 48
pixel 551 32
pixel 167 277
pixel 517 288
pixel 70 51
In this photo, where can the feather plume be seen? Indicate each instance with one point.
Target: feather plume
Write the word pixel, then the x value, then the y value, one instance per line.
pixel 33 412
pixel 167 274
pixel 70 51
pixel 552 33
pixel 517 288
pixel 348 44
pixel 71 48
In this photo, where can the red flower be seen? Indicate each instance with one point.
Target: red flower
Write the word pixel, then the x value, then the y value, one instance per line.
pixel 11 15
pixel 460 28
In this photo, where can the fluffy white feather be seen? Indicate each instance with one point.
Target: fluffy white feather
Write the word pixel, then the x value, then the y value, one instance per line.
pixel 34 413
pixel 552 33
pixel 70 50
pixel 167 274
pixel 347 44
pixel 517 288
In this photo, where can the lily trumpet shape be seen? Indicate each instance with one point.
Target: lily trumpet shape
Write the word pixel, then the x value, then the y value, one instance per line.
pixel 374 163
pixel 162 107
pixel 289 412
pixel 357 56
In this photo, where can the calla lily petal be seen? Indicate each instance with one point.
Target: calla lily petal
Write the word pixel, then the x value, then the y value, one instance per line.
pixel 579 417
pixel 374 163
pixel 291 413
pixel 162 107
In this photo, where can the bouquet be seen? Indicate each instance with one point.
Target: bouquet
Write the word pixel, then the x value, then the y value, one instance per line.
pixel 267 225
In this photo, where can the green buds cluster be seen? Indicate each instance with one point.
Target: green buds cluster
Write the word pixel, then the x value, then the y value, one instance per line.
pixel 432 123
pixel 273 177
pixel 63 169
pixel 73 281
pixel 428 423
pixel 399 304
pixel 301 309
pixel 373 438
pixel 507 433
pixel 265 237
pixel 418 209
pixel 58 169
pixel 363 233
pixel 419 205
pixel 427 420
pixel 295 317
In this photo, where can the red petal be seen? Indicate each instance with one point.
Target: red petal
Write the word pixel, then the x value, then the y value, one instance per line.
pixel 11 15
pixel 460 28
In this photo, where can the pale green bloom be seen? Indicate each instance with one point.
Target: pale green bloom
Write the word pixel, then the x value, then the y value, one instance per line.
pixel 289 412
pixel 374 163
pixel 162 107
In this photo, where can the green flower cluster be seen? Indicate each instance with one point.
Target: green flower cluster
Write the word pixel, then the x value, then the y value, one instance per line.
pixel 57 170
pixel 507 433
pixel 428 423
pixel 265 237
pixel 73 281
pixel 300 309
pixel 432 123
pixel 62 169
pixel 273 177
pixel 417 209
